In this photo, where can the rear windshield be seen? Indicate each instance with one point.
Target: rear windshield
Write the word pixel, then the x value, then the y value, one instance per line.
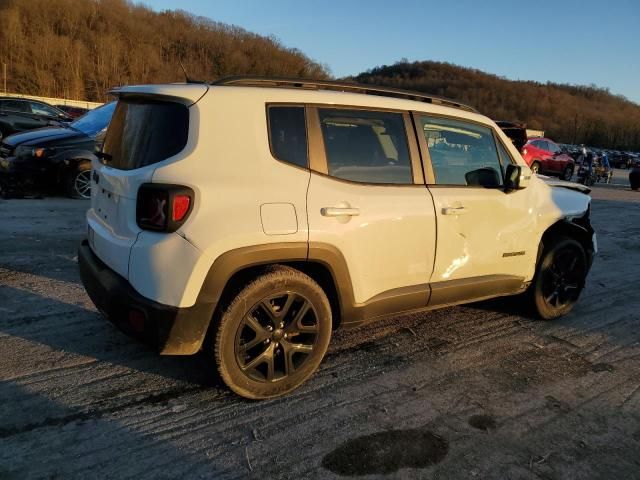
pixel 143 132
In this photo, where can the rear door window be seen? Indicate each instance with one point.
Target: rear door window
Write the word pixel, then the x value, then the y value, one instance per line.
pixel 366 146
pixel 553 148
pixel 144 132
pixel 543 145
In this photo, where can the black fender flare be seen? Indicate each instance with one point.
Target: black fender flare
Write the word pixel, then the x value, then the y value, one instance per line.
pixel 578 228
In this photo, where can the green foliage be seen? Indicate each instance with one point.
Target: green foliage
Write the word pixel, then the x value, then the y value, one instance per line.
pixel 567 113
pixel 82 48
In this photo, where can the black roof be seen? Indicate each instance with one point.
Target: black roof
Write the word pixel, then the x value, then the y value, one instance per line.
pixel 277 82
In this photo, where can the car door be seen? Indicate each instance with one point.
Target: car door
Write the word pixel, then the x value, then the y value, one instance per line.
pixel 555 163
pixel 368 200
pixel 548 156
pixel 483 233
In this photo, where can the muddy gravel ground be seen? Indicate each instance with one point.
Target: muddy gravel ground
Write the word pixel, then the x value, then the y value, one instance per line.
pixel 480 391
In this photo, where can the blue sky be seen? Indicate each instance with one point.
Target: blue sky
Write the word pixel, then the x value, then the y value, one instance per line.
pixel 566 41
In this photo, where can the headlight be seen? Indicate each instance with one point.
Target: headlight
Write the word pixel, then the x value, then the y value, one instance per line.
pixel 37 152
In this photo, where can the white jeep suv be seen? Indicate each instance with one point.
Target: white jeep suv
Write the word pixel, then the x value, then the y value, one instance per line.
pixel 264 213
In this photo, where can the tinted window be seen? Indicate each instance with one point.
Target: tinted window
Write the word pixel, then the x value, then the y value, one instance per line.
pixel 15 106
pixel 553 147
pixel 42 109
pixel 364 146
pixel 542 144
pixel 145 132
pixel 288 134
pixel 462 153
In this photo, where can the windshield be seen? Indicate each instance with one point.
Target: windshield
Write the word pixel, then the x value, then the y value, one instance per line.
pixel 93 122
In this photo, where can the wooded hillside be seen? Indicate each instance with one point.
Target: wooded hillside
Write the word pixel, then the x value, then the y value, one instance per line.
pixel 568 114
pixel 79 49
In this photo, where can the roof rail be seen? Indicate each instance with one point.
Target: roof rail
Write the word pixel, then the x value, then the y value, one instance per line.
pixel 277 82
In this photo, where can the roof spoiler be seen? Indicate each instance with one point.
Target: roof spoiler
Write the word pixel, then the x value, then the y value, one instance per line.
pixel 188 94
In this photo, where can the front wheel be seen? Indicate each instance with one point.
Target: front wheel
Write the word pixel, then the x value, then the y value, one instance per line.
pixel 78 181
pixel 535 167
pixel 559 279
pixel 273 335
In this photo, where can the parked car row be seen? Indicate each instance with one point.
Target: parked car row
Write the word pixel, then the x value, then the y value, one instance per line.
pixel 547 157
pixel 542 155
pixel 617 158
pixel 20 114
pixel 58 155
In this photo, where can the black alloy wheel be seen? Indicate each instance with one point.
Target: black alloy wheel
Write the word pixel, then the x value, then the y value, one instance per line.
pixel 568 173
pixel 560 279
pixel 276 337
pixel 272 334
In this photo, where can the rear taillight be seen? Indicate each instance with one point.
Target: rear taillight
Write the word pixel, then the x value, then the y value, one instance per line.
pixel 180 208
pixel 163 207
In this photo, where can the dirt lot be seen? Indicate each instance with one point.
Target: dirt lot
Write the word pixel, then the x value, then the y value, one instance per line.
pixel 469 392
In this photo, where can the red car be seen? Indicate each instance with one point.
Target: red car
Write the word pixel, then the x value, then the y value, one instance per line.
pixel 545 156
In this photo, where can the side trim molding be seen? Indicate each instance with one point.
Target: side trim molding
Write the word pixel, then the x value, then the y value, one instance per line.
pixel 453 292
pixel 398 300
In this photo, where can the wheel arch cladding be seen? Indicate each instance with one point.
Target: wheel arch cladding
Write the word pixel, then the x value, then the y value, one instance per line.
pixel 577 228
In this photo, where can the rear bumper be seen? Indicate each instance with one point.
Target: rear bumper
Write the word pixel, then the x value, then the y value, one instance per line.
pixel 170 330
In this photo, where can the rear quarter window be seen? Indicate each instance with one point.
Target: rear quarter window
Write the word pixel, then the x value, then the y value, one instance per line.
pixel 144 132
pixel 288 134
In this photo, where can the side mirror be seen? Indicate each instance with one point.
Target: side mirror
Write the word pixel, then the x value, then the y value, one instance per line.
pixel 517 177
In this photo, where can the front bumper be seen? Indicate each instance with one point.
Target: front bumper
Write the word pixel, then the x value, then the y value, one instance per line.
pixel 18 174
pixel 23 166
pixel 170 330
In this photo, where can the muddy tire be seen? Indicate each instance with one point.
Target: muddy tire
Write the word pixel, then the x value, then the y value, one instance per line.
pixel 78 181
pixel 559 279
pixel 273 334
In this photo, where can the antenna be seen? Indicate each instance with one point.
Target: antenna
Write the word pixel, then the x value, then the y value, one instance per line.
pixel 186 75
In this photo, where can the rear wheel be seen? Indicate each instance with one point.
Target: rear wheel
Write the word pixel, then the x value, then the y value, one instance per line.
pixel 78 181
pixel 273 335
pixel 535 167
pixel 567 174
pixel 559 279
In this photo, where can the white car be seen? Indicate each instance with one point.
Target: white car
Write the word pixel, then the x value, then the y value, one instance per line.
pixel 264 213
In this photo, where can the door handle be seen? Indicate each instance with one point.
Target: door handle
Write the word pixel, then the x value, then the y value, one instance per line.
pixel 454 210
pixel 339 212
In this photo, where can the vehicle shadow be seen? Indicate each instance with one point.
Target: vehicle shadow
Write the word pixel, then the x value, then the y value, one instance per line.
pixel 71 442
pixel 79 329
